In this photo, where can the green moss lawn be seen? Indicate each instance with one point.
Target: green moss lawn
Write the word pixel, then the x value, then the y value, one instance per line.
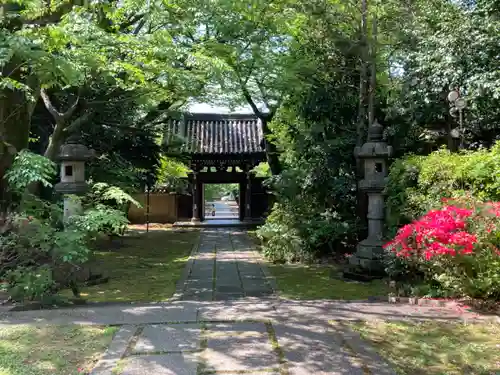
pixel 309 282
pixel 145 268
pixel 436 348
pixel 51 350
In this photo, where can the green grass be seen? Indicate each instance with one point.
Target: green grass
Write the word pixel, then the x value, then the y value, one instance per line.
pixel 309 282
pixel 434 348
pixel 145 268
pixel 54 350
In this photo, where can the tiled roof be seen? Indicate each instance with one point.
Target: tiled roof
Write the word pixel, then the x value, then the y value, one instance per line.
pixel 215 134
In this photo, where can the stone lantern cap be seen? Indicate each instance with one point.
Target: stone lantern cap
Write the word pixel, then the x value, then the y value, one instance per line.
pixel 74 151
pixel 375 146
pixel 76 188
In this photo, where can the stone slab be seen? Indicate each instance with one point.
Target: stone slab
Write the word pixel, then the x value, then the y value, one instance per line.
pixel 364 351
pixel 227 279
pixel 244 309
pixel 168 338
pixel 236 328
pixel 197 296
pixel 167 364
pixel 202 267
pixel 115 351
pixel 201 274
pixel 311 349
pixel 252 275
pixel 201 285
pixel 236 289
pixel 251 265
pixel 237 354
pixel 233 277
pixel 255 285
pixel 226 268
pixel 112 314
pixel 258 293
pixel 228 296
pixel 250 278
pixel 200 278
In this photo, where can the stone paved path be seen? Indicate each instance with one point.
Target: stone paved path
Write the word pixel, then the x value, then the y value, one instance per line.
pixel 225 267
pixel 225 319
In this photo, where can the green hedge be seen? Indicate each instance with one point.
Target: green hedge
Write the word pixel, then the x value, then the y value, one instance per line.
pixel 419 183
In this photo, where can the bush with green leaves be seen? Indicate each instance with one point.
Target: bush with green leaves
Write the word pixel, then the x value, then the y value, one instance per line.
pixel 104 194
pixel 100 219
pixel 39 253
pixel 30 282
pixel 106 208
pixel 314 213
pixel 29 168
pixel 417 184
pixel 172 176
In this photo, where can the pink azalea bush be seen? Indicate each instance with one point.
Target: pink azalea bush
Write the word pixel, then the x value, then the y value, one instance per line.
pixel 456 247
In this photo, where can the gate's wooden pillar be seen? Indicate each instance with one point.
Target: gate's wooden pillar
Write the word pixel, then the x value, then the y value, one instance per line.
pixel 248 196
pixel 196 198
pixel 241 200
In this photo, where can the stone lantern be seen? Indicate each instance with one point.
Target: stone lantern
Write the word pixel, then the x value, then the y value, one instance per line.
pixel 73 156
pixel 374 153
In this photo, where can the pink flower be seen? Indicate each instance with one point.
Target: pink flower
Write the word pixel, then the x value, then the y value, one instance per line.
pixel 444 232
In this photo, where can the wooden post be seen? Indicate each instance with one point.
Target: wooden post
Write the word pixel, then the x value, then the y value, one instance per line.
pixel 248 197
pixel 196 193
pixel 147 207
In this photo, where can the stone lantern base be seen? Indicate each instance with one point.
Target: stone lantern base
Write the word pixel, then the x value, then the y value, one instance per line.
pixel 367 262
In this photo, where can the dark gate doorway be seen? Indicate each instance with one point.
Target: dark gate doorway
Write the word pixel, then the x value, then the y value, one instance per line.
pixel 221 201
pixel 219 149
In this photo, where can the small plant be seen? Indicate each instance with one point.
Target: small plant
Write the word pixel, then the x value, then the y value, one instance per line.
pixel 29 168
pixel 30 282
pixel 100 219
pixel 103 193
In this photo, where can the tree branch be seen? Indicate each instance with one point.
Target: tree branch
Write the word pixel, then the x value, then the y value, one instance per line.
pixel 58 116
pixel 263 93
pixel 55 16
pixel 131 21
pixel 155 113
pixel 139 27
pixel 50 107
pixel 71 110
pixel 250 71
pixel 246 93
pixel 250 100
pixel 75 125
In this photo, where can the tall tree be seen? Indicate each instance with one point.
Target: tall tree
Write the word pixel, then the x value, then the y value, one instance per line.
pixel 249 46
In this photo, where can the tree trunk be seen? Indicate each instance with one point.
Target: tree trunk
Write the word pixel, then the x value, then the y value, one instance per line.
pixel 361 199
pixel 55 142
pixel 15 123
pixel 271 149
pixel 360 129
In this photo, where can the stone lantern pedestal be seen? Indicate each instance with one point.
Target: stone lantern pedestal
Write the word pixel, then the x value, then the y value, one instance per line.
pixel 73 156
pixel 374 153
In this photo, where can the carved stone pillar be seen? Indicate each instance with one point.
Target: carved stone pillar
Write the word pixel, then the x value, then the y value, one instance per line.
pixel 196 199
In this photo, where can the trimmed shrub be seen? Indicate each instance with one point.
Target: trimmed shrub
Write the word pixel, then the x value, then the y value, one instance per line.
pixel 417 184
